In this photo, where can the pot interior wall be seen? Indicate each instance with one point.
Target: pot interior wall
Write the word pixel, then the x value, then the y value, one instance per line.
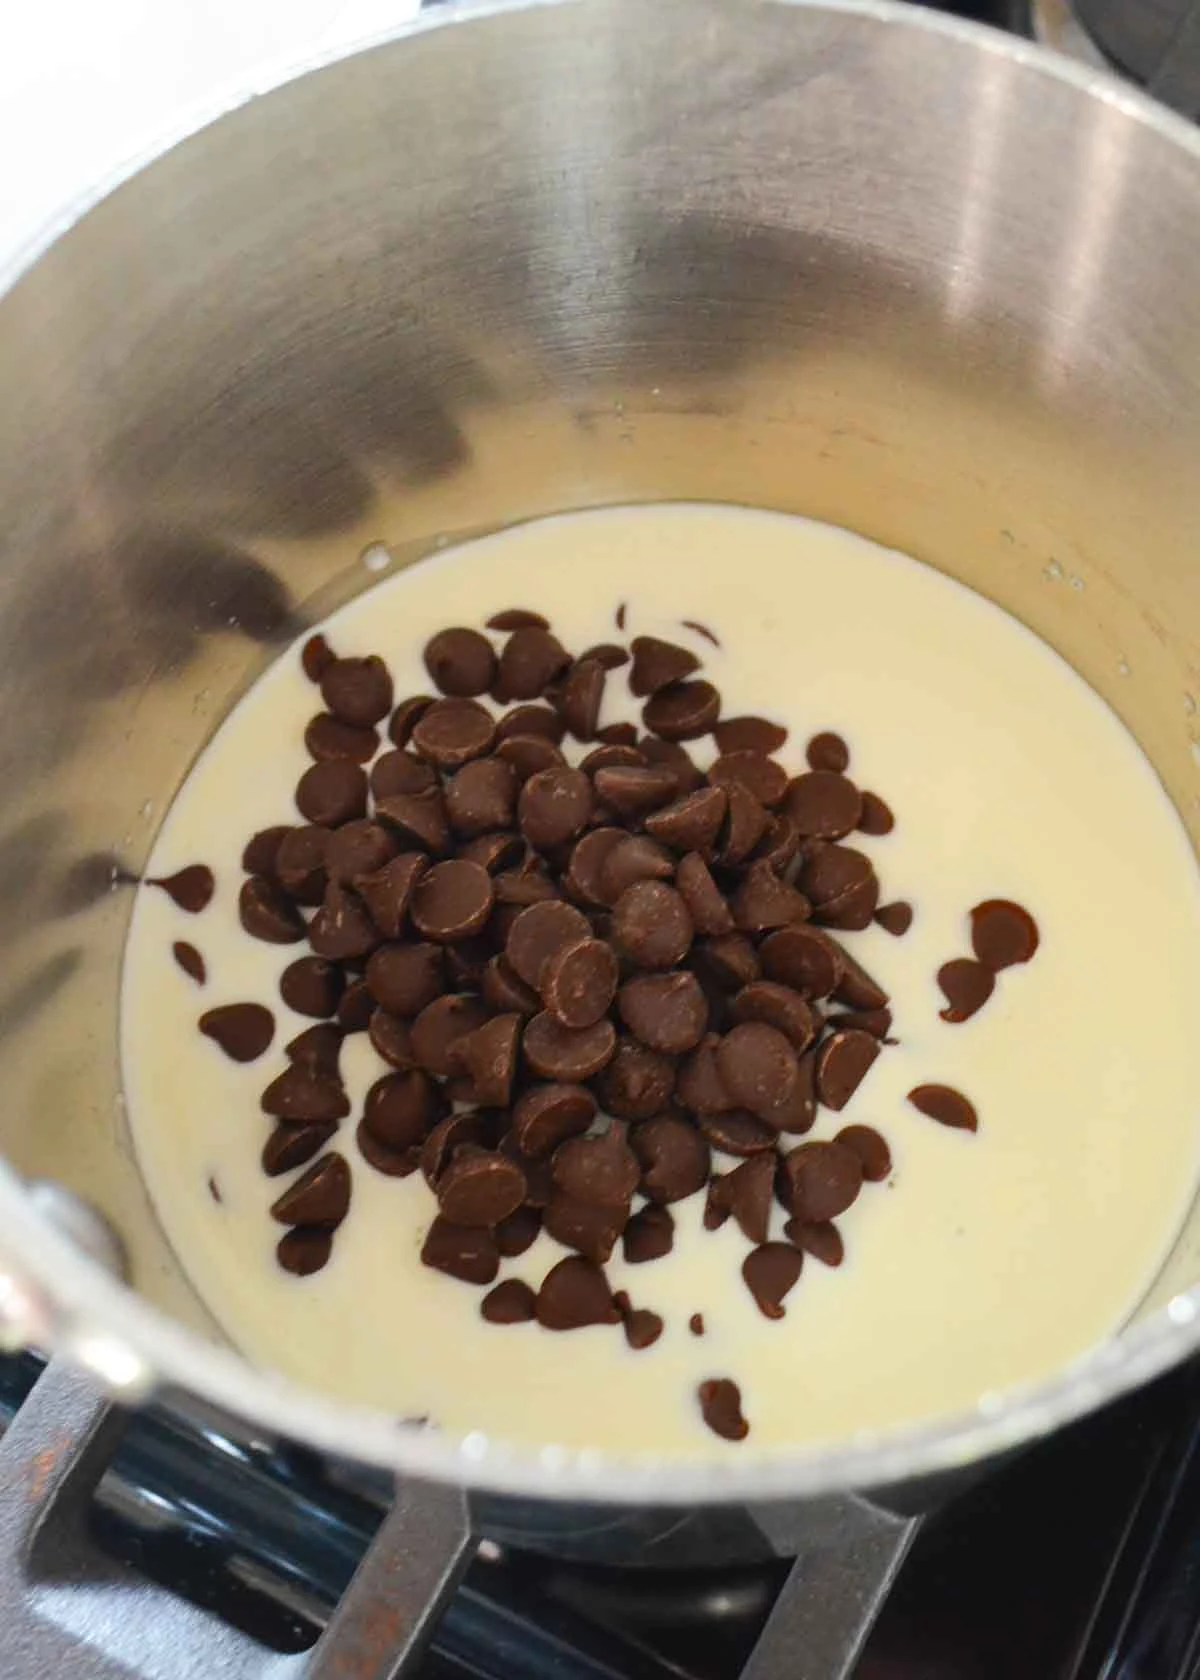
pixel 572 255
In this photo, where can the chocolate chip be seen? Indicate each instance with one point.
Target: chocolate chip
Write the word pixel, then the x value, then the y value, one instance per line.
pixel 709 912
pixel 321 1196
pixel 262 850
pixel 821 1180
pixel 189 889
pixel 393 1163
pixel 574 1294
pixel 608 654
pixel 770 1272
pixel 691 823
pixel 642 1327
pixel 510 1302
pixel 757 1065
pixel 747 1193
pixel 517 618
pixel 622 735
pixel 451 901
pixel 657 664
pixel 779 846
pixel 304 1250
pixel 635 858
pixel 842 886
pixel 876 817
pixel 637 1083
pixel 391 1038
pixel 358 848
pixel 818 1237
pixel 242 1030
pixel 599 1167
pixel 896 918
pixel 823 805
pixel 400 1108
pixel 877 1022
pixel 651 925
pixel 530 754
pixel 328 737
pixel 855 987
pixel 317 1049
pixel 266 912
pixel 481 797
pixel 634 790
pixel 828 751
pixel 300 863
pixel 504 991
pixel 582 698
pixel 746 825
pixel 749 734
pixel 1002 933
pixel 530 661
pixel 579 981
pixel 480 1188
pixel 871 1148
pixel 700 1086
pixel 288 1147
pixel 420 819
pixel 682 712
pixel 453 731
pixel 461 1252
pixel 518 1232
pixel 404 718
pixel 312 986
pixel 843 1062
pixel 554 806
pixel 331 792
pixel 465 1126
pixel 387 892
pixel 189 960
pixel 358 691
pixel 591 1228
pixel 488 1056
pixel 494 851
pixel 798 1111
pixel 696 1324
pixel 649 1235
pixel 754 771
pixel 341 929
pixel 460 662
pixel 672 756
pixel 967 985
pixel 542 721
pixel 778 1006
pixel 667 1012
pixel 300 1095
pixel 405 979
pixel 945 1105
pixel 584 874
pixel 735 1132
pixel 721 1408
pixel 401 772
pixel 567 1054
pixel 316 656
pixel 538 933
pixel 438 1028
pixel 762 901
pixel 527 885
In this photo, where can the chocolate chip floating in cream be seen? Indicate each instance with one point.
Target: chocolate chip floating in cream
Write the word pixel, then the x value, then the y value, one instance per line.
pixel 1002 933
pixel 721 1407
pixel 967 986
pixel 945 1105
pixel 191 889
pixel 189 960
pixel 242 1030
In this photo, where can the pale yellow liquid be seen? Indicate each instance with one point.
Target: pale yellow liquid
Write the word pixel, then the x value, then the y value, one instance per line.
pixel 984 1260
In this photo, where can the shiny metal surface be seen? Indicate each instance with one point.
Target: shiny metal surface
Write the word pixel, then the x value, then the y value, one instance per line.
pixel 849 259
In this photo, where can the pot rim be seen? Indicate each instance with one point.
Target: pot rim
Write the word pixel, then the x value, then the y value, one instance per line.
pixel 53 1295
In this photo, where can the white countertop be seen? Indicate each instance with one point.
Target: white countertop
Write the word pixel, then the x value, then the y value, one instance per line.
pixel 88 85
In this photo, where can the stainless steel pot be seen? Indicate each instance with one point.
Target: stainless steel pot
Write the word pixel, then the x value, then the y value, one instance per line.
pixel 848 258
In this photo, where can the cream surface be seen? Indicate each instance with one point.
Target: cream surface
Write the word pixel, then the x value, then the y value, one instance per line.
pixel 984 1260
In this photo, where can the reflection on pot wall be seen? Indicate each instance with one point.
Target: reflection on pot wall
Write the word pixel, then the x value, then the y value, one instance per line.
pixel 866 283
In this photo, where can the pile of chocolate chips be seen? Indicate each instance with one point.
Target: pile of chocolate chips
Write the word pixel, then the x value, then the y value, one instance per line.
pixel 531 944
